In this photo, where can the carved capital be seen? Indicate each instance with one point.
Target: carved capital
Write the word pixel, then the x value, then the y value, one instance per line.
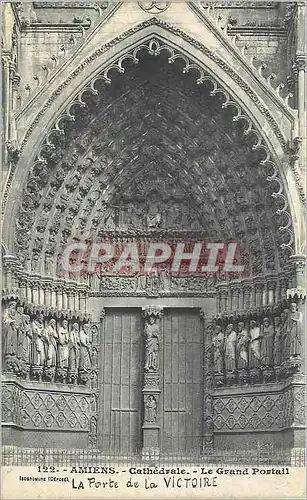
pixel 271 282
pixel 9 262
pixel 156 311
pixel 297 266
pixel 300 61
pixel 235 290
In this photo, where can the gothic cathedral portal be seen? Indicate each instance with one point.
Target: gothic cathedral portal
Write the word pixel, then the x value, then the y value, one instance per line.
pixel 153 132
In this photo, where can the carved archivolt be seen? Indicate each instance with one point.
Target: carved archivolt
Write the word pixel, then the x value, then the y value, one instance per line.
pixel 176 31
pixel 90 170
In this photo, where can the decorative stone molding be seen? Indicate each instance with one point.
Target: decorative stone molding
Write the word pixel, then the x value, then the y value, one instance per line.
pixel 34 407
pixel 70 5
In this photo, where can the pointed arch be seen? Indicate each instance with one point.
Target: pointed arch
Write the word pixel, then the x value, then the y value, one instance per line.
pixel 156 36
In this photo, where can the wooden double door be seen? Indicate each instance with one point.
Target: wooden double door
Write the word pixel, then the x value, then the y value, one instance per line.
pixel 121 382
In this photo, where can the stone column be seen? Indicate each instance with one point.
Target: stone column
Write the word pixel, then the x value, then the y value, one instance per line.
pixel 48 292
pixel 223 298
pixel 299 74
pixel 65 300
pixel 247 302
pixel 241 298
pixel 82 298
pixel 6 94
pixel 271 290
pixel 283 286
pixel 235 297
pixel 9 264
pixel 23 288
pixel 296 297
pixel 259 286
pixel 59 297
pixel 151 388
pixel 35 292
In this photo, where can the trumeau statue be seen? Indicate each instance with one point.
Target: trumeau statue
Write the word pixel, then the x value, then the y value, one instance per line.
pixel 151 345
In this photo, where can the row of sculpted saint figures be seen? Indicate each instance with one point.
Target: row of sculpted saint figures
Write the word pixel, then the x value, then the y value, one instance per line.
pixel 260 350
pixel 41 349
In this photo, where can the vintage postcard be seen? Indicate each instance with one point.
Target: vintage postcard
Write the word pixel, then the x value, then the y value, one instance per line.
pixel 153 249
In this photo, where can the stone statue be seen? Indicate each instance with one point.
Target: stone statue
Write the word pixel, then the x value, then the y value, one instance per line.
pixel 85 360
pixel 151 410
pixel 295 331
pixel 242 343
pixel 94 380
pixel 39 346
pixel 25 340
pixel 74 348
pixel 230 348
pixel 218 349
pixel 151 345
pixel 267 342
pixel 63 337
pixel 153 217
pixel 277 353
pixel 285 326
pixel 51 337
pixel 11 324
pixel 255 345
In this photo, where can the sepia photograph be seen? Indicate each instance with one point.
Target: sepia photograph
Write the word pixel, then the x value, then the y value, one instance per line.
pixel 153 249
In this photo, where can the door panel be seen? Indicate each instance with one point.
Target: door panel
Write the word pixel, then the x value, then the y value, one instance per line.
pixel 181 412
pixel 121 382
